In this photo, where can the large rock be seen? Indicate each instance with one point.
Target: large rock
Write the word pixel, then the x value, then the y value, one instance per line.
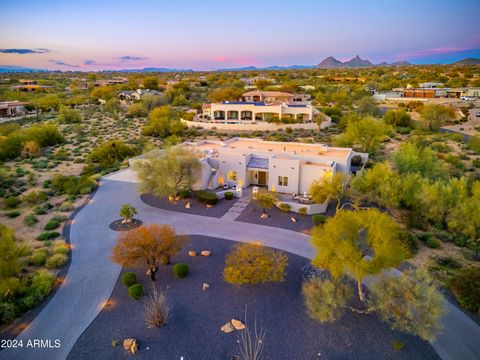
pixel 130 345
pixel 205 286
pixel 227 328
pixel 206 253
pixel 293 219
pixel 188 205
pixel 237 324
pixel 192 253
pixel 264 216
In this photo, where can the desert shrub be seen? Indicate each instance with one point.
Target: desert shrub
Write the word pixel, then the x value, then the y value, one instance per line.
pixel 185 194
pixel 207 197
pixel 12 202
pixel 42 210
pixel 135 291
pixel 111 152
pixel 180 270
pixel 51 225
pixel 48 235
pixel 128 279
pixel 66 206
pixel 397 345
pixel 285 207
pixel 56 260
pixel 303 211
pixel 318 219
pixel 8 312
pixel 41 286
pixel 69 116
pixel 228 195
pixel 466 287
pixel 12 214
pixel 252 263
pixel 325 299
pixel 73 185
pixel 30 220
pixel 60 247
pixel 38 258
pixel 156 309
pixel 409 241
pixel 35 197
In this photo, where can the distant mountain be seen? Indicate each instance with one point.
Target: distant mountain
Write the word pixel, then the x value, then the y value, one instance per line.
pixel 13 68
pixel 356 62
pixel 467 61
pixel 274 67
pixel 330 63
pixel 153 69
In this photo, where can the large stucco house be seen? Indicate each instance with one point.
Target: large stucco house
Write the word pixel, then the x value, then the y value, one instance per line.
pixel 282 167
pixel 261 106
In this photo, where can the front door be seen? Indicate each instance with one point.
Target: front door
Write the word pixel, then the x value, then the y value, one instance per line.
pixel 262 178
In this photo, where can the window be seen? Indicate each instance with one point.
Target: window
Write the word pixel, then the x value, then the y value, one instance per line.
pixel 283 181
pixel 232 175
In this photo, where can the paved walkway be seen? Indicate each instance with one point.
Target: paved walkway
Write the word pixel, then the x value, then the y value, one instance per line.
pixel 92 276
pixel 240 205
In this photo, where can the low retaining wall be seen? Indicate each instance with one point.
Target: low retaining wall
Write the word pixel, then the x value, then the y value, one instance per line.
pixel 252 126
pixel 311 208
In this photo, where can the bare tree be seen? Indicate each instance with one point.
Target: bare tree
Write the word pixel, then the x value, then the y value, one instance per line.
pixel 252 341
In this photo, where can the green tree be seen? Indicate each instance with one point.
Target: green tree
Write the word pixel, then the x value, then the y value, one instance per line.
pixel 127 211
pixel 69 116
pixel 162 123
pixel 436 115
pixel 357 243
pixel 410 303
pixel 368 106
pixel 253 263
pixel 226 93
pixel 366 134
pixel 150 82
pixel 111 152
pixel 136 110
pixel 168 173
pixel 464 218
pixel 413 158
pixel 266 200
pixel 397 118
pixel 329 187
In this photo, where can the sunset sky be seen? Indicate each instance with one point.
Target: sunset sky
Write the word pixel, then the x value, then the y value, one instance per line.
pixel 203 35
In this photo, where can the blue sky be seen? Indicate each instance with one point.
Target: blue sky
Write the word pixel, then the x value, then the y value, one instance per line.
pixel 92 35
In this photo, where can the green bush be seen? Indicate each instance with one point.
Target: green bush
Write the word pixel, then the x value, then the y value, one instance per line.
pixel 60 247
pixel 318 219
pixel 51 225
pixel 12 214
pixel 30 220
pixel 135 291
pixel 285 207
pixel 185 194
pixel 35 197
pixel 433 243
pixel 73 185
pixel 207 197
pixel 12 202
pixel 8 312
pixel 466 287
pixel 180 270
pixel 39 258
pixel 410 242
pixel 48 235
pixel 56 260
pixel 41 286
pixel 111 152
pixel 128 279
pixel 228 195
pixel 303 211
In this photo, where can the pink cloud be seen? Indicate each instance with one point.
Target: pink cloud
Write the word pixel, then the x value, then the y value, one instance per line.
pixel 473 43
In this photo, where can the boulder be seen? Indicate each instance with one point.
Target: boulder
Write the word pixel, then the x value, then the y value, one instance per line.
pixel 264 216
pixel 293 219
pixel 237 324
pixel 192 253
pixel 205 286
pixel 206 253
pixel 130 345
pixel 188 205
pixel 227 328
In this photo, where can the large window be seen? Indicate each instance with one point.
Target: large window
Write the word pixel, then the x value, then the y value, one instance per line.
pixel 232 175
pixel 283 181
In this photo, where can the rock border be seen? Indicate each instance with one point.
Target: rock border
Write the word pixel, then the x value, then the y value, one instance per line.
pixel 119 225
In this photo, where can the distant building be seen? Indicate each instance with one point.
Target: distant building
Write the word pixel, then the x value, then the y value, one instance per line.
pixel 112 81
pixel 129 96
pixel 275 96
pixel 12 108
pixel 431 85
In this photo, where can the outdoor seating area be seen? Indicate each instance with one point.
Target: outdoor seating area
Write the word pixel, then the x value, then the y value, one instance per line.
pixel 304 198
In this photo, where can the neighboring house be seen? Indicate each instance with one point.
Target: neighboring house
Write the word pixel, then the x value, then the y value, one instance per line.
pixel 431 85
pixel 112 81
pixel 435 92
pixel 275 96
pixel 262 106
pixel 129 96
pixel 12 108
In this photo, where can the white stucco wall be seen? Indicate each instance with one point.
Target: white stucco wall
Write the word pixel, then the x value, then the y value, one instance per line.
pixel 283 167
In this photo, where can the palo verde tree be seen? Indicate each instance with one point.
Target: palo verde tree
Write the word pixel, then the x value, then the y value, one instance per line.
pixel 168 173
pixel 152 245
pixel 329 187
pixel 266 200
pixel 357 243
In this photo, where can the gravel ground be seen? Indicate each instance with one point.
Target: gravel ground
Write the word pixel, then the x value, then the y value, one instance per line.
pixel 194 328
pixel 197 208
